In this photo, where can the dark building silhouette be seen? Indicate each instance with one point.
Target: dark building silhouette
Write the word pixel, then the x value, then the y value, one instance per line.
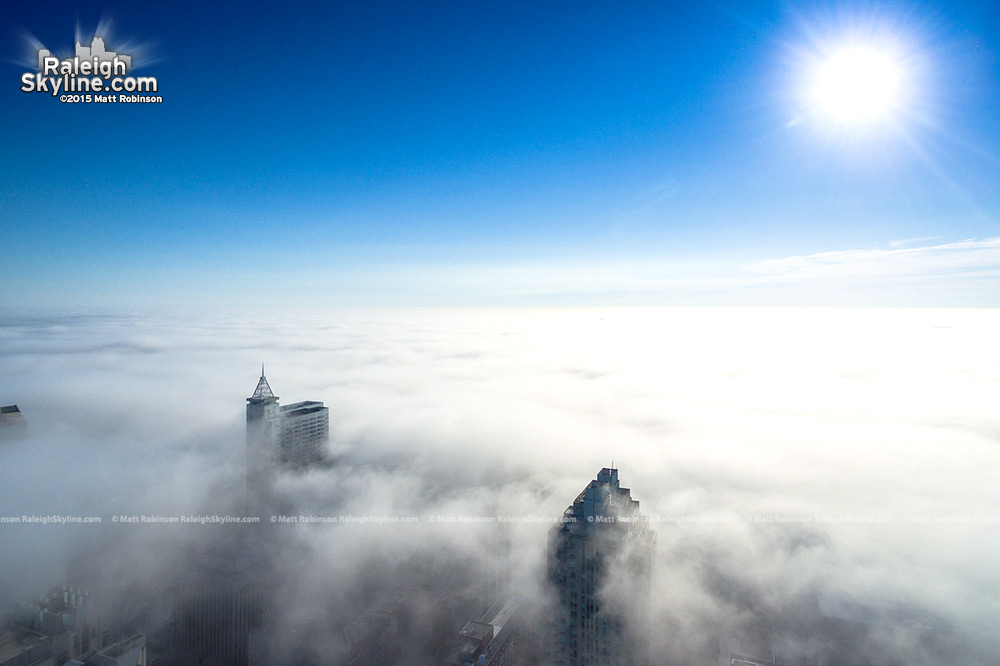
pixel 599 566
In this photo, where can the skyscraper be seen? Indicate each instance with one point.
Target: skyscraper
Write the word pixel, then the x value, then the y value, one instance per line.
pixel 291 435
pixel 263 428
pixel 224 600
pixel 304 427
pixel 599 566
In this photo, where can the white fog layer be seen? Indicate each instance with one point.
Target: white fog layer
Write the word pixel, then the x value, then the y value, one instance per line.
pixel 793 462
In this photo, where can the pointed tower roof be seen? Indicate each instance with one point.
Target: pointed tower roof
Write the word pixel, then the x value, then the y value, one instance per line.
pixel 263 390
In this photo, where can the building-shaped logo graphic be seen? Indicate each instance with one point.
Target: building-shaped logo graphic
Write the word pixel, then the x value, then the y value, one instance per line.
pixel 95 50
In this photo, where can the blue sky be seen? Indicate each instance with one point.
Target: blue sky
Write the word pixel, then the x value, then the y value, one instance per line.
pixel 504 153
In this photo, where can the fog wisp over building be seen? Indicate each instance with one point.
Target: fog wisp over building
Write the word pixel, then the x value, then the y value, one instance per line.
pixel 599 566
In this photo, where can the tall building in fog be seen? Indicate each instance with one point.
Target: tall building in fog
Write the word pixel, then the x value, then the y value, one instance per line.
pixel 263 427
pixel 223 602
pixel 292 435
pixel 599 566
pixel 305 426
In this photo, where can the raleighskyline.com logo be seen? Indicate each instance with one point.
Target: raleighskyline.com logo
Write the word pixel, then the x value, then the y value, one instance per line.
pixel 93 75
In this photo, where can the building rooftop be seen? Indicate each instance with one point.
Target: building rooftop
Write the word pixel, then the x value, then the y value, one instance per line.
pixel 124 653
pixel 16 641
pixel 603 496
pixel 479 640
pixel 477 630
pixel 500 612
pixel 302 408
pixel 12 420
pixel 604 501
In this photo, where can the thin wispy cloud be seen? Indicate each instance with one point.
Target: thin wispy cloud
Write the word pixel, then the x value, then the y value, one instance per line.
pixel 966 259
pixel 904 242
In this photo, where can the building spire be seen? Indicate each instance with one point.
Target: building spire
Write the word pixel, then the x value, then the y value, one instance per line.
pixel 263 390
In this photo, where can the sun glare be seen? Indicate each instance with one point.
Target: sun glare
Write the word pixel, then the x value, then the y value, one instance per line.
pixel 856 84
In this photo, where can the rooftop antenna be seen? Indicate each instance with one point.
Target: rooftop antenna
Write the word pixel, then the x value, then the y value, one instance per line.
pixel 261 369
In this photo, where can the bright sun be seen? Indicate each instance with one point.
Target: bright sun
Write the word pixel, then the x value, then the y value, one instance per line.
pixel 856 84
